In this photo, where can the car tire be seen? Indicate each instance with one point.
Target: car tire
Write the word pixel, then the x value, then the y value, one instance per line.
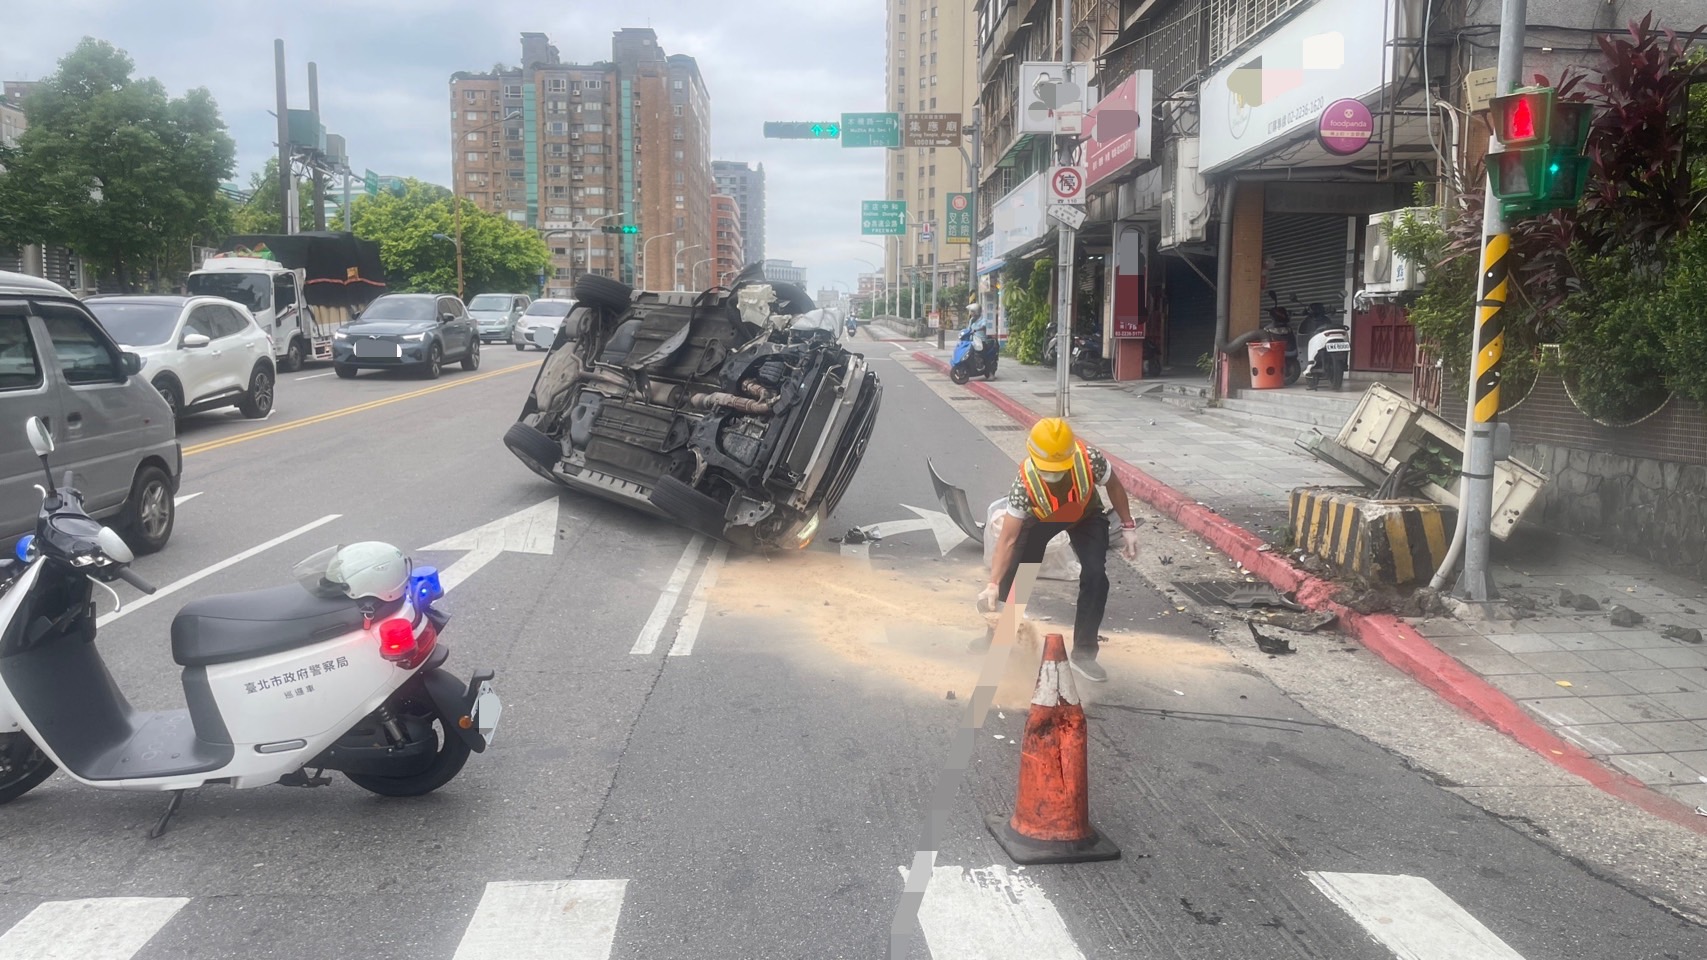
pixel 521 347
pixel 293 358
pixel 689 507
pixel 171 393
pixel 148 515
pixel 257 402
pixel 435 362
pixel 533 448
pixel 344 371
pixel 604 292
pixel 472 360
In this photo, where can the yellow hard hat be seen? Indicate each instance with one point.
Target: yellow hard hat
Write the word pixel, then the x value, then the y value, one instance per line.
pixel 1051 445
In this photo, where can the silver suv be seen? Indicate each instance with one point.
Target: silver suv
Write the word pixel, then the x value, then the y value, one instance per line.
pixel 111 426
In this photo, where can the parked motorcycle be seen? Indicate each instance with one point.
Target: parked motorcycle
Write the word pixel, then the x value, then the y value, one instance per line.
pixel 1051 348
pixel 1278 326
pixel 1088 361
pixel 344 672
pixel 975 355
pixel 1329 351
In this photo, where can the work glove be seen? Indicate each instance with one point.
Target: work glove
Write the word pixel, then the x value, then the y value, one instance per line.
pixel 1129 543
pixel 988 599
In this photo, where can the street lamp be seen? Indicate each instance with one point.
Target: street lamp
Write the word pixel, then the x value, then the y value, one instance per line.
pixel 646 257
pixel 691 246
pixel 694 271
pixel 587 247
pixel 885 270
pixel 456 199
pixel 457 243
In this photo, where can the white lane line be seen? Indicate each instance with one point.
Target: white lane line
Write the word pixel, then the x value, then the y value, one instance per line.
pixel 105 928
pixel 654 628
pixel 1412 917
pixel 184 498
pixel 991 914
pixel 205 572
pixel 544 920
pixel 688 632
pixel 313 376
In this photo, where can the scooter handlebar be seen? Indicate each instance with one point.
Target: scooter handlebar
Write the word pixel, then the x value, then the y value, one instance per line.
pixel 129 576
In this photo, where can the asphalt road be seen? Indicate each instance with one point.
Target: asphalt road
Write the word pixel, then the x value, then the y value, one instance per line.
pixel 752 786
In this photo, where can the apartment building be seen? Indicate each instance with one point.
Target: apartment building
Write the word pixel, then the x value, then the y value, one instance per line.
pixel 747 185
pixel 932 68
pixel 551 144
pixel 727 257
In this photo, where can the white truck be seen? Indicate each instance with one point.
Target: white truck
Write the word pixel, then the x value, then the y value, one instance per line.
pixel 300 287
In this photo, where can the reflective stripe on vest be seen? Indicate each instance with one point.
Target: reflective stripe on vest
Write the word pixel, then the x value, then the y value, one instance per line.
pixel 1045 505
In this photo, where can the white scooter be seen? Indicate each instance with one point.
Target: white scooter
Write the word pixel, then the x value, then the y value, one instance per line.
pixel 340 673
pixel 1329 352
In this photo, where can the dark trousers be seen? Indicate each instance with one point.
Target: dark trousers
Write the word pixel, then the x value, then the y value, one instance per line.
pixel 1089 537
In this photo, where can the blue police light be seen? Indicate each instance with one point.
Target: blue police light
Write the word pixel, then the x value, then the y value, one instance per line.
pixel 424 585
pixel 25 549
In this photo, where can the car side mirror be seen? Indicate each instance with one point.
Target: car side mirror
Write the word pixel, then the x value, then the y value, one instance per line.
pixel 41 438
pixel 132 363
pixel 195 341
pixel 446 317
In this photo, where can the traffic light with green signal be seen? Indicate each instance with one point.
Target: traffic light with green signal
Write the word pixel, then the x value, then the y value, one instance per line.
pixel 1542 166
pixel 620 228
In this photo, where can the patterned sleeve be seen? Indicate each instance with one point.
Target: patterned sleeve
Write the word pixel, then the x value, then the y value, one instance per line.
pixel 1019 501
pixel 1099 466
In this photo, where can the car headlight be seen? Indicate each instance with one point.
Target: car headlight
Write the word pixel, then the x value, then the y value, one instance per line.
pixel 413 337
pixel 340 335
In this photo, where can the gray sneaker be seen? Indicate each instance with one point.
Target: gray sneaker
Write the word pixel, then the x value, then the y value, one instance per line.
pixel 1087 667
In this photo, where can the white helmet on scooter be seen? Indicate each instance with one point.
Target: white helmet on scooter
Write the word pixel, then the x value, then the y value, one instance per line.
pixel 370 569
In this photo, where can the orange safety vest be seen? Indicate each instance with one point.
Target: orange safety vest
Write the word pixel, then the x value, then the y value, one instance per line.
pixel 1049 508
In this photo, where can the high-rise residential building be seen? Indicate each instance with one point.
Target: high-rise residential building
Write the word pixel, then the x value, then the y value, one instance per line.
pixel 747 186
pixel 932 68
pixel 727 257
pixel 551 144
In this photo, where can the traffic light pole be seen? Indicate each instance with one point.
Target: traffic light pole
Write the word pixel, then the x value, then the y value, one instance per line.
pixel 1476 499
pixel 1064 249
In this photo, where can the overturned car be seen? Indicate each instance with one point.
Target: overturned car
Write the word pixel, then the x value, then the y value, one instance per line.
pixel 732 412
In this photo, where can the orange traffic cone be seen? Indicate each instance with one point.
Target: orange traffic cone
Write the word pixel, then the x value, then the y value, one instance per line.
pixel 1052 816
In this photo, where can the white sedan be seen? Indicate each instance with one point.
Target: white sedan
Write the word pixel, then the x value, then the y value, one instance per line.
pixel 538 326
pixel 201 353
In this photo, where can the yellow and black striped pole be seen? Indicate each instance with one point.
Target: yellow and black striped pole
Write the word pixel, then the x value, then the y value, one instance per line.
pixel 1490 326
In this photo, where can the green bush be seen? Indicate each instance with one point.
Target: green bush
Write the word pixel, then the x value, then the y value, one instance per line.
pixel 1025 298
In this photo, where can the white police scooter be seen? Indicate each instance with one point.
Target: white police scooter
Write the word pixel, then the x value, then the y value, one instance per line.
pixel 340 673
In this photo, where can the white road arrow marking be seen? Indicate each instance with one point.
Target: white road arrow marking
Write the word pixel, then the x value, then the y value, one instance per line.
pixel 533 530
pixel 948 533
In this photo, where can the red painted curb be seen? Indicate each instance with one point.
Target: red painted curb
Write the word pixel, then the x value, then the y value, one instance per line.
pixel 1391 638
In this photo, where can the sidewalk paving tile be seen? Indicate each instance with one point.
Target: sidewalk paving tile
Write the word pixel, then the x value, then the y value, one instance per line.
pixel 1523 643
pixel 1471 646
pixel 1553 662
pixel 1567 711
pixel 1583 642
pixel 1659 681
pixel 1494 664
pixel 1633 708
pixel 1688 659
pixel 1655 769
pixel 1534 686
pixel 1669 735
pixel 1605 739
pixel 1689 706
pixel 1593 684
pixel 1620 659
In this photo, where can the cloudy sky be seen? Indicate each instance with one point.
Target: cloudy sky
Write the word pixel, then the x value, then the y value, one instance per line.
pixel 385 66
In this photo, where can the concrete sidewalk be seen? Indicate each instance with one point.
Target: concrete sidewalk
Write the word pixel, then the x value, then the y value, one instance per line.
pixel 1629 696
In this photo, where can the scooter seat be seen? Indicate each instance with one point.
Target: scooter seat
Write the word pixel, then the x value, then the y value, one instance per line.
pixel 240 626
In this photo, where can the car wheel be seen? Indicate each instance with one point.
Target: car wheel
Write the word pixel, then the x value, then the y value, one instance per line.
pixel 435 362
pixel 293 356
pixel 534 448
pixel 603 292
pixel 258 402
pixel 472 360
pixel 172 394
pixel 689 507
pixel 521 347
pixel 344 371
pixel 149 513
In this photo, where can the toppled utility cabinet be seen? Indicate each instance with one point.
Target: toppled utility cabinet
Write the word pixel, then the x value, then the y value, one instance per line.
pixel 1392 431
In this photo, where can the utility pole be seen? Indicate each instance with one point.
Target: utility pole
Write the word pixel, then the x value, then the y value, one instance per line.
pixel 1476 491
pixel 346 179
pixel 972 174
pixel 314 122
pixel 1068 241
pixel 284 136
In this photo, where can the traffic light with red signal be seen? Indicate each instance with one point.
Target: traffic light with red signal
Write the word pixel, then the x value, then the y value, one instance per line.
pixel 1542 166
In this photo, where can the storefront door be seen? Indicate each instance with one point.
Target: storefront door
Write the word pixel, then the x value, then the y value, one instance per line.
pixel 1383 340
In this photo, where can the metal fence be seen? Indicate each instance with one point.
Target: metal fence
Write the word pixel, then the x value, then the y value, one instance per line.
pixel 1232 22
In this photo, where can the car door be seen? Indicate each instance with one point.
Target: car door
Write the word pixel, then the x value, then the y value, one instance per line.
pixel 518 306
pixel 97 437
pixel 233 353
pixel 458 332
pixel 199 367
pixel 25 392
pixel 251 342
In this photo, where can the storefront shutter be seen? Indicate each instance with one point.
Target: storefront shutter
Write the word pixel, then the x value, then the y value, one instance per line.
pixel 1306 257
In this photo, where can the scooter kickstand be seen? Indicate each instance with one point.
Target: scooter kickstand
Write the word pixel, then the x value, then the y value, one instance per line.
pixel 159 828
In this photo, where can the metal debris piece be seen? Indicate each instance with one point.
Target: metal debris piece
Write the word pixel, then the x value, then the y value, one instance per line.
pixel 1622 616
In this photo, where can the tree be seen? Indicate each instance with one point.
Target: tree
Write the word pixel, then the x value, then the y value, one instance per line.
pixel 261 213
pixel 112 168
pixel 499 255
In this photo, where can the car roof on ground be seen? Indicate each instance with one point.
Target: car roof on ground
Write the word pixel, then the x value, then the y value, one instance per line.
pixel 23 283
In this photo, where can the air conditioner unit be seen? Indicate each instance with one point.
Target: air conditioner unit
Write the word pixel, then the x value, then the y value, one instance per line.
pixel 578 176
pixel 574 136
pixel 1185 197
pixel 1384 271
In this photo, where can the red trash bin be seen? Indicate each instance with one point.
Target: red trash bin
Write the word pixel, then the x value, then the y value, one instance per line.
pixel 1268 364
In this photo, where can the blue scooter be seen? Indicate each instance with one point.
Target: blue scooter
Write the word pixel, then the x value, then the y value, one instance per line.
pixel 975 354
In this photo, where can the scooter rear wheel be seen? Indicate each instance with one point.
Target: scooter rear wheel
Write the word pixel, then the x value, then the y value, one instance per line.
pixel 447 763
pixel 1336 372
pixel 23 766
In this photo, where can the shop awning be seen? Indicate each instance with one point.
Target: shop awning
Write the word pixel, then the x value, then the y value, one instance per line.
pixel 992 267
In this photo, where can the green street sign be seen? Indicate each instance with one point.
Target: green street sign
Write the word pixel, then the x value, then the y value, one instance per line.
pixel 801 130
pixel 883 218
pixel 871 130
pixel 959 220
pixel 370 183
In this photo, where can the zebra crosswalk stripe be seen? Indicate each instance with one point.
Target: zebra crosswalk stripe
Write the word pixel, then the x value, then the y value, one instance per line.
pixel 545 920
pixel 991 913
pixel 101 928
pixel 1412 917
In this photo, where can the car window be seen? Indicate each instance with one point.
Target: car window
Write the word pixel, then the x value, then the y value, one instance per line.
pixel 137 323
pixel 520 303
pixel 249 289
pixel 399 308
pixel 228 322
pixel 201 321
pixel 452 306
pixel 489 301
pixel 557 309
pixel 284 292
pixel 84 354
pixel 20 369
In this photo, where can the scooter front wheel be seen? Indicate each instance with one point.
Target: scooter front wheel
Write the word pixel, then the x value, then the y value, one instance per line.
pixel 958 374
pixel 23 766
pixel 452 753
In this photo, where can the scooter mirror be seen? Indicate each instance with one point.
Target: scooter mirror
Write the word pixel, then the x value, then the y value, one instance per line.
pixel 114 546
pixel 41 439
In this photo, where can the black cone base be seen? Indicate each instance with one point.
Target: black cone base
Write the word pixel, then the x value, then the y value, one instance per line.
pixel 1025 850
